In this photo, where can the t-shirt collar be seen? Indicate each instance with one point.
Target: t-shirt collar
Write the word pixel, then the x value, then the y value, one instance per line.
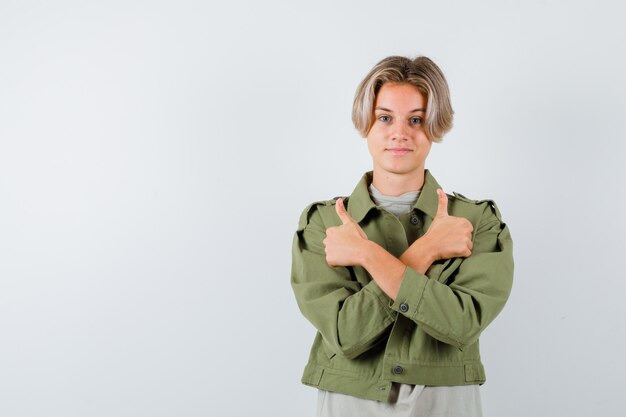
pixel 360 201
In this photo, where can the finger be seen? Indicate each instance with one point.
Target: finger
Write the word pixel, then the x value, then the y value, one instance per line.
pixel 442 208
pixel 342 213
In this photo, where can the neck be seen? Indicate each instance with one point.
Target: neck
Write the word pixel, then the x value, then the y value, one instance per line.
pixel 392 184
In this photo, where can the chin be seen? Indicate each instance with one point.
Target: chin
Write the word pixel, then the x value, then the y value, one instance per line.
pixel 401 170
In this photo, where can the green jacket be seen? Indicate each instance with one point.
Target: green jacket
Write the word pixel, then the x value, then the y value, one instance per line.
pixel 429 334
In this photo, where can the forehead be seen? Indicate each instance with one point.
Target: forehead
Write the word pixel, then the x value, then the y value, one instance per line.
pixel 400 96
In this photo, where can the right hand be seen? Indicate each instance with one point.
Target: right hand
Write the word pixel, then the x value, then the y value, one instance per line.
pixel 344 244
pixel 449 236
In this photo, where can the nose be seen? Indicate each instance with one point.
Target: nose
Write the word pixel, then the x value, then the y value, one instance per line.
pixel 400 132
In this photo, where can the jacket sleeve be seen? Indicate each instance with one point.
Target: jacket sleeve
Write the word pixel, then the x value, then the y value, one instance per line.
pixel 352 318
pixel 457 312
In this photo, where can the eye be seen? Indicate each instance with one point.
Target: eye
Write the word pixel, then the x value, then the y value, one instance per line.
pixel 384 118
pixel 416 120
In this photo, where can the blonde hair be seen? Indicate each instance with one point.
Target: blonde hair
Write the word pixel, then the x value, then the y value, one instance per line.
pixel 420 72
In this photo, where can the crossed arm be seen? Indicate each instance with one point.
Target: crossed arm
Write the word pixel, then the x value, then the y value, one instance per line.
pixel 348 245
pixel 387 270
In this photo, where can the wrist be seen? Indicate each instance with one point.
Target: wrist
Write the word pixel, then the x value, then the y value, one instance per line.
pixel 367 253
pixel 419 256
pixel 426 249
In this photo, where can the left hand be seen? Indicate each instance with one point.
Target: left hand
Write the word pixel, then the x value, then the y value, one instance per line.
pixel 344 244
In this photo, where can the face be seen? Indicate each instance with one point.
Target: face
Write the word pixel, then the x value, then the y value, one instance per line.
pixel 397 140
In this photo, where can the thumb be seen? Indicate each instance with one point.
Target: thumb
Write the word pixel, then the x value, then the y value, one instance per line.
pixel 341 212
pixel 442 208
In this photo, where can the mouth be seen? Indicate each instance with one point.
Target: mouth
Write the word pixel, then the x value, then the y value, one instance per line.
pixel 399 151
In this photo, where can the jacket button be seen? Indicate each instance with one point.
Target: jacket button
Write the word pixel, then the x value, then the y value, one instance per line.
pixel 414 219
pixel 397 370
pixel 404 307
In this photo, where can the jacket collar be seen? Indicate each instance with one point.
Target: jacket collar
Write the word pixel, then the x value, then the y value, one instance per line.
pixel 360 201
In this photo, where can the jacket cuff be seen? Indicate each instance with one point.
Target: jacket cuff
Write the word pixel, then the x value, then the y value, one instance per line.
pixel 410 293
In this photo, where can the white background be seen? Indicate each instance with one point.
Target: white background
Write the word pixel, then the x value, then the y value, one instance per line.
pixel 155 157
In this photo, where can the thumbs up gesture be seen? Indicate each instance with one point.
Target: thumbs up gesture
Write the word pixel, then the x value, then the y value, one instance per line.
pixel 344 244
pixel 449 236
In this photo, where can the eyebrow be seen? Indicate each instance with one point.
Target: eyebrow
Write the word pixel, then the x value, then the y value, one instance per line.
pixel 391 111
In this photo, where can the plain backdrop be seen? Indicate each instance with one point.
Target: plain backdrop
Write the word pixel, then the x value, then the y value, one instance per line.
pixel 155 157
